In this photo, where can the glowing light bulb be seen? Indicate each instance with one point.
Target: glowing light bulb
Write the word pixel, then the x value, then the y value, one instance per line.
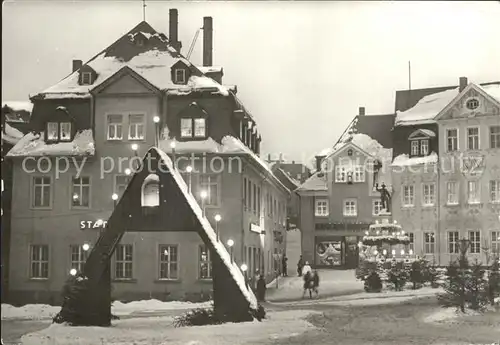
pixel 244 267
pixel 402 252
pixel 75 196
pixel 114 196
pixel 189 169
pixel 173 144
pixel 135 147
pixel 230 243
pixel 384 252
pixel 85 246
pixel 156 119
pixel 410 252
pixel 217 217
pixel 72 272
pixel 393 252
pixel 203 194
pixel 128 171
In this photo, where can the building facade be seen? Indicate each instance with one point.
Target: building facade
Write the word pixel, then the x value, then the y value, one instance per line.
pixel 90 132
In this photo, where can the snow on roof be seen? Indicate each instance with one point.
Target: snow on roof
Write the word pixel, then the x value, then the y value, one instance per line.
pixel 493 90
pixel 19 105
pixel 428 132
pixel 314 183
pixel 365 143
pixel 11 135
pixel 405 160
pixel 209 69
pixel 229 145
pixel 33 145
pixel 209 231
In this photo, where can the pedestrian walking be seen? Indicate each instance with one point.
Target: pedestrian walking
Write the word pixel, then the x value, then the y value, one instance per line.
pixel 307 284
pixel 261 289
pixel 285 266
pixel 306 268
pixel 315 279
pixel 300 265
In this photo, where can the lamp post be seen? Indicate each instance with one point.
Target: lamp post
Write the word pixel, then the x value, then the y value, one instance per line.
pixel 115 199
pixel 244 268
pixel 156 120
pixel 217 220
pixel 86 247
pixel 135 147
pixel 189 170
pixel 173 144
pixel 203 196
pixel 230 244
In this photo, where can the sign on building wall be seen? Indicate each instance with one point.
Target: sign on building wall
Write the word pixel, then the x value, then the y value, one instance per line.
pixel 93 224
pixel 255 228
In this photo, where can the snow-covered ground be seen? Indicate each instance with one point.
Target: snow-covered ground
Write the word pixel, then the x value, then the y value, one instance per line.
pixel 332 282
pixel 44 311
pixel 160 331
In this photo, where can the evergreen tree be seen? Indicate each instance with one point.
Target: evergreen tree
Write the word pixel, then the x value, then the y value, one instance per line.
pixel 476 286
pixel 455 287
pixel 416 274
pixel 494 280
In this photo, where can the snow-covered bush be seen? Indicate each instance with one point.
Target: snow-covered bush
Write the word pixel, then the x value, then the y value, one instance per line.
pixel 373 283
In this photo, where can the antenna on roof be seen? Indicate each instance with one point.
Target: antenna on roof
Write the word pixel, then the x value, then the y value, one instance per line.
pixel 144 10
pixel 409 75
pixel 192 43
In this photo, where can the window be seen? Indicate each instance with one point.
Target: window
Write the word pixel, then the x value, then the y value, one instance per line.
pixel 472 103
pixel 340 174
pixel 258 201
pixel 115 127
pixel 359 173
pixel 321 208
pixel 475 242
pixel 41 192
pixel 205 263
pixel 180 76
pixel 81 192
pixel 411 245
pixel 495 191
pixel 193 127
pixel 452 139
pixel 210 184
pixel 452 193
pixel 495 242
pixel 124 261
pixel 136 127
pixel 39 268
pixel 429 242
pixel 424 147
pixel 473 138
pixel 52 131
pixel 377 207
pixel 249 196
pixel 428 194
pixel 121 183
pixel 254 198
pixel 86 78
pixel 453 242
pixel 169 262
pixel 473 192
pixel 350 208
pixel 78 257
pixel 495 137
pixel 65 131
pixel 408 195
pixel 414 147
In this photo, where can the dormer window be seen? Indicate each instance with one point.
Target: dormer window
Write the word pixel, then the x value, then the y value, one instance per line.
pixel 59 131
pixel 86 78
pixel 414 147
pixel 180 76
pixel 424 147
pixel 193 128
pixel 420 142
pixel 52 131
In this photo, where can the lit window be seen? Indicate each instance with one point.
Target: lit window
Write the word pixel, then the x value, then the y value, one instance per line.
pixel 472 103
pixel 210 184
pixel 180 76
pixel 39 261
pixel 473 138
pixel 452 193
pixel 424 147
pixel 186 128
pixel 321 208
pixel 411 245
pixel 205 263
pixel 81 192
pixel 340 174
pixel 452 139
pixel 65 131
pixel 199 128
pixel 78 257
pixel 86 78
pixel 429 242
pixel 169 262
pixel 414 147
pixel 495 191
pixel 377 207
pixel 475 242
pixel 473 192
pixel 53 131
pixel 359 173
pixel 350 208
pixel 124 261
pixel 115 127
pixel 41 192
pixel 408 195
pixel 136 127
pixel 453 242
pixel 495 241
pixel 151 191
pixel 428 194
pixel 495 137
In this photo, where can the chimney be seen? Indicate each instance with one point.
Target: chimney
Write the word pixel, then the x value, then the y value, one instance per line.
pixel 319 159
pixel 173 30
pixel 77 64
pixel 361 111
pixel 207 41
pixel 463 83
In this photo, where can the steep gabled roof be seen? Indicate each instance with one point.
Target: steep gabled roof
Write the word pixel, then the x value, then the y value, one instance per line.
pixel 152 61
pixel 315 183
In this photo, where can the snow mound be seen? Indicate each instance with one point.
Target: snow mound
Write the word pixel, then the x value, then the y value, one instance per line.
pixel 33 145
pixel 12 135
pixel 405 160
pixel 29 312
pixel 447 314
pixel 154 305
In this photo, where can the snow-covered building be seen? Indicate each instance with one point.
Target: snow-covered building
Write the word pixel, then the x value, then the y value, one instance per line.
pixel 90 129
pixel 445 170
pixel 339 201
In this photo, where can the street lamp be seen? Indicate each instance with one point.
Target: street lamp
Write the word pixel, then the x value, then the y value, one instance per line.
pixel 230 244
pixel 173 144
pixel 156 120
pixel 189 169
pixel 85 247
pixel 203 196
pixel 217 220
pixel 128 171
pixel 115 198
pixel 134 147
pixel 72 272
pixel 244 268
